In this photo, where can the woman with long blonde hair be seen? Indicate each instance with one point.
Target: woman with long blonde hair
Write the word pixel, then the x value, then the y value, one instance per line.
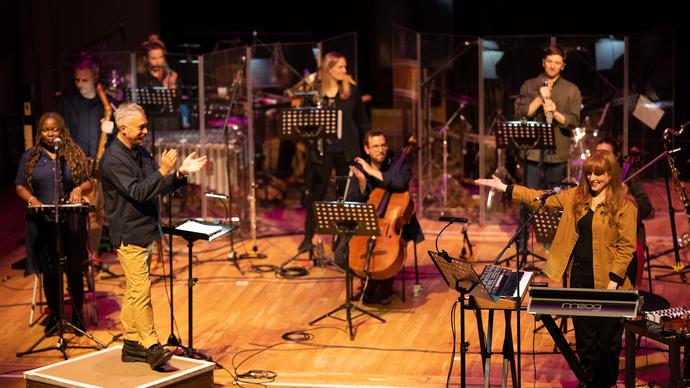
pixel 337 90
pixel 35 185
pixel 595 241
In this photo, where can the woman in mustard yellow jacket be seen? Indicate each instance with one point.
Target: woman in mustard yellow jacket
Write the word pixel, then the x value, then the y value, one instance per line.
pixel 595 240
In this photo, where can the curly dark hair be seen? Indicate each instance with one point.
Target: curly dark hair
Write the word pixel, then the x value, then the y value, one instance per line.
pixel 76 159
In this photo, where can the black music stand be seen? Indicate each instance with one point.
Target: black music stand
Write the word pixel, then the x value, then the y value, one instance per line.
pixel 460 276
pixel 193 230
pixel 346 219
pixel 545 225
pixel 55 212
pixel 310 125
pixel 523 136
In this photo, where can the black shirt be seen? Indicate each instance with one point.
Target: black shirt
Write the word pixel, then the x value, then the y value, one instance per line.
pixel 395 180
pixel 583 246
pixel 355 123
pixel 83 118
pixel 131 185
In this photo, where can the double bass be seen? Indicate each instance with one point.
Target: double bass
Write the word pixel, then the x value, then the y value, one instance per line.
pixel 381 257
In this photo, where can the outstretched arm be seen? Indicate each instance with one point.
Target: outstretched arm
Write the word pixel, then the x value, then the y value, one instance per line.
pixel 494 183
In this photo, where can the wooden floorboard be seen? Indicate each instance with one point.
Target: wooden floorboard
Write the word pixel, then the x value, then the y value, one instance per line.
pixel 239 320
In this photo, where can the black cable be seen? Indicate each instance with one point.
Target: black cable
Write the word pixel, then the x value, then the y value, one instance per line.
pixel 442 253
pixel 292 272
pixel 297 336
pixel 264 268
pixel 534 356
pixel 452 329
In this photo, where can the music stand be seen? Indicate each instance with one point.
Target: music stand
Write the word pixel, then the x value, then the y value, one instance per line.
pixel 193 230
pixel 309 125
pixel 460 276
pixel 346 219
pixel 522 136
pixel 545 225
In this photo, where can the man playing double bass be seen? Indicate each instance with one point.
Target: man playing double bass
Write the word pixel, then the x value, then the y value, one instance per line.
pixel 379 170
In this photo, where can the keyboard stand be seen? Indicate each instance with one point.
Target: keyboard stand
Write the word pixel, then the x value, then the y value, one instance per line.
pixel 486 338
pixel 564 347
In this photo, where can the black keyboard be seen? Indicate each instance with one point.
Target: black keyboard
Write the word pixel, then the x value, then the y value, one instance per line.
pixel 500 282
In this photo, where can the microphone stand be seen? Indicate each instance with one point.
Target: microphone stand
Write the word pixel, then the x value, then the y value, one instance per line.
pixel 512 240
pixel 59 329
pixel 444 179
pixel 233 257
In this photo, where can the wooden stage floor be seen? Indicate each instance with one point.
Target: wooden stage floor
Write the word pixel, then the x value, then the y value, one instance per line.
pixel 239 320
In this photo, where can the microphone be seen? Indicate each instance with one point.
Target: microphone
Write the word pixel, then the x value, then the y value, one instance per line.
pixel 453 219
pixel 548 193
pixel 210 194
pixel 56 142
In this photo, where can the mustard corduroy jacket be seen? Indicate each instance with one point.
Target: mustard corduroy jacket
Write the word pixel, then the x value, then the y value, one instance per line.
pixel 612 247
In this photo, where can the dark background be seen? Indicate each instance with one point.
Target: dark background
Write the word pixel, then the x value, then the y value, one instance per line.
pixel 36 33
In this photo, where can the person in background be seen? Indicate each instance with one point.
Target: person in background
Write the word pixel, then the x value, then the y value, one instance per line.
pixel 644 210
pixel 85 117
pixel 336 90
pixel 548 98
pixel 377 170
pixel 158 74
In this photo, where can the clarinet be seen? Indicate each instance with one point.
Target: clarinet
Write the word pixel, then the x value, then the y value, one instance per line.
pixel 545 92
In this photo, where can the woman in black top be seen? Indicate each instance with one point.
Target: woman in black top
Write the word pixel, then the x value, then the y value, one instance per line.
pixel 35 185
pixel 338 90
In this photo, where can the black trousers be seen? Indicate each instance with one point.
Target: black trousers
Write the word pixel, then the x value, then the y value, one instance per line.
pixel 44 248
pixel 320 174
pixel 598 341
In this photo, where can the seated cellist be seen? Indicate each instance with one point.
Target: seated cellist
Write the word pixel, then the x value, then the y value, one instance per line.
pixel 379 170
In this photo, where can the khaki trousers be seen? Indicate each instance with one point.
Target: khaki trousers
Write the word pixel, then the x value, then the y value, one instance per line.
pixel 137 310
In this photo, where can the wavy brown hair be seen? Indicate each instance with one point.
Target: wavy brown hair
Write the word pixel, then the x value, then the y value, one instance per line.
pixel 330 60
pixel 602 162
pixel 76 159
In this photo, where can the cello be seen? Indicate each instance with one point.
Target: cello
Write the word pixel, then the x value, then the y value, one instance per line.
pixel 381 257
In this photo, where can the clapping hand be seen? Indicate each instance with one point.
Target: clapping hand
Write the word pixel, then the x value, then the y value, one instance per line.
pixel 192 163
pixel 170 81
pixel 168 159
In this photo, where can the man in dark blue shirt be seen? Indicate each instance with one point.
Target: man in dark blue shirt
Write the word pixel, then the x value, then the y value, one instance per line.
pixel 132 181
pixel 379 170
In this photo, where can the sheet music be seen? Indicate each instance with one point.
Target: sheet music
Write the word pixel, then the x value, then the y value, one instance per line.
pixel 198 227
pixel 524 283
